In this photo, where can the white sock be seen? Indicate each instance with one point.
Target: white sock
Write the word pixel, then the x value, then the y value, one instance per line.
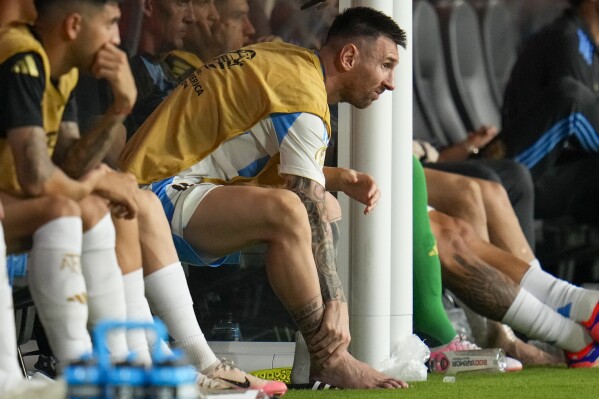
pixel 10 372
pixel 530 316
pixel 104 280
pixel 58 288
pixel 535 263
pixel 137 310
pixel 572 302
pixel 169 298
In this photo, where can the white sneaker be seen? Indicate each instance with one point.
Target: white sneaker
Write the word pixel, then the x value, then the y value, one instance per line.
pixel 225 375
pixel 37 389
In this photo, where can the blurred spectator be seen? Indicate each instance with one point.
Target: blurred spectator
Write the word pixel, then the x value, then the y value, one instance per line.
pixel 306 28
pixel 201 32
pixel 11 11
pixel 165 24
pixel 232 31
pixel 550 114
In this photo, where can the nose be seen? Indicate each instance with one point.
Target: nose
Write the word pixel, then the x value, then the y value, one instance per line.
pixel 189 17
pixel 248 28
pixel 116 37
pixel 213 14
pixel 389 82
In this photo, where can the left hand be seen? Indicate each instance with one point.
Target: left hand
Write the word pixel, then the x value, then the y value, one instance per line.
pixel 360 187
pixel 482 136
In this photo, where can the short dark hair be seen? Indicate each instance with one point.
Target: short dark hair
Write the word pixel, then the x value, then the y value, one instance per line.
pixel 575 3
pixel 43 5
pixel 366 22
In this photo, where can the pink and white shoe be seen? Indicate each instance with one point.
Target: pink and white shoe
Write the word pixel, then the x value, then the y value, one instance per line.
pixel 225 375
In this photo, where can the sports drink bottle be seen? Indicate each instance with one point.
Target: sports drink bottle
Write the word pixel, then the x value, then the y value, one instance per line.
pixel 453 362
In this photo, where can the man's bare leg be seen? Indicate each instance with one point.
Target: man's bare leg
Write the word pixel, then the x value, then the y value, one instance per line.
pixel 231 218
pixel 128 253
pixel 162 270
pixel 458 196
pixel 493 294
pixel 505 262
pixel 503 225
pixel 503 231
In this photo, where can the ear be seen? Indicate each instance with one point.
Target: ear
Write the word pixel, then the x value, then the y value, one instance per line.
pixel 72 25
pixel 348 55
pixel 147 7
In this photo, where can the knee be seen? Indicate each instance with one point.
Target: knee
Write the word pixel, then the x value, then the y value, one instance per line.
pixel 93 208
pixel 450 245
pixel 463 230
pixel 286 213
pixel 471 193
pixel 148 204
pixel 57 206
pixel 494 193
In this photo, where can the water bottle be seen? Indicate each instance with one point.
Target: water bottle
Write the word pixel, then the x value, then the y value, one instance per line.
pixel 84 380
pixel 453 362
pixel 126 380
pixel 226 330
pixel 172 379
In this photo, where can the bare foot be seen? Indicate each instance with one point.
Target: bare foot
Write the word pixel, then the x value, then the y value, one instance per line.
pixel 516 348
pixel 342 370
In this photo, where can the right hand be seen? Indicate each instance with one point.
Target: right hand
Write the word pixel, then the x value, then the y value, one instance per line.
pixel 120 190
pixel 111 64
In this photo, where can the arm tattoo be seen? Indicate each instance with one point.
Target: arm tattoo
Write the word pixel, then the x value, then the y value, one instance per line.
pixel 85 153
pixel 312 196
pixel 37 166
pixel 483 288
pixel 84 156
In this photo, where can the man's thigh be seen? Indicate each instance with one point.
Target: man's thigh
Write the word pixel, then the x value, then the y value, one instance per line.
pixel 229 218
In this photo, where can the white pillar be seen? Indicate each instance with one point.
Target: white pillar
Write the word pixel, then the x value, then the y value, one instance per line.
pixel 371 143
pixel 344 160
pixel 401 216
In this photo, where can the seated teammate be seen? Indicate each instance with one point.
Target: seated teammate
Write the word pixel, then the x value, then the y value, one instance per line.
pixel 60 218
pixel 503 287
pixel 144 240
